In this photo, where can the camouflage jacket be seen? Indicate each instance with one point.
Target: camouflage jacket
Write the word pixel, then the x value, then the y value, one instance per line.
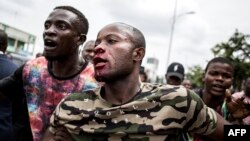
pixel 157 113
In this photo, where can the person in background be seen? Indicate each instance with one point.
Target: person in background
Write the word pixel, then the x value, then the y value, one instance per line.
pixel 7 68
pixel 175 74
pixel 143 75
pixel 217 79
pixel 39 54
pixel 44 81
pixel 187 83
pixel 6 65
pixel 88 51
pixel 126 109
pixel 245 93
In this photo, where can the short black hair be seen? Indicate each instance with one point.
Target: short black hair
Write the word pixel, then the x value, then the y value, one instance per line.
pixel 83 22
pixel 219 60
pixel 3 40
pixel 138 38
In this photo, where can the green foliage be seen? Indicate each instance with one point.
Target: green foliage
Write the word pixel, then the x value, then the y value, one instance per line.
pixel 237 49
pixel 195 75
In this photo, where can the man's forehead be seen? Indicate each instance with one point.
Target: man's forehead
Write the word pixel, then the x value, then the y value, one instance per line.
pixel 118 28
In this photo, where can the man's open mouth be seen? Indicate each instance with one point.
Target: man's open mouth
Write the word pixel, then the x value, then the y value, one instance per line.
pixel 49 43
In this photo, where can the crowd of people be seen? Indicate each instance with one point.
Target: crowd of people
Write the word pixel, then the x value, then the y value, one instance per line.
pixel 104 93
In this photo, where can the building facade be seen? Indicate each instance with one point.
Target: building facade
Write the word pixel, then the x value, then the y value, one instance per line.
pixel 21 44
pixel 151 67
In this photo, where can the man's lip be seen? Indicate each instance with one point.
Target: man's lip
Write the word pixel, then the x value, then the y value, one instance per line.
pixel 218 89
pixel 49 48
pixel 97 60
pixel 100 65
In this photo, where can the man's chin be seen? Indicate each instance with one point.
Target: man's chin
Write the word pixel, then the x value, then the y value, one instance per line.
pixel 99 78
pixel 218 94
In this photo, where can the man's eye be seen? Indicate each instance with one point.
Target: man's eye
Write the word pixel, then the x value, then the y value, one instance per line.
pixel 111 41
pixel 213 73
pixel 61 26
pixel 46 25
pixel 228 76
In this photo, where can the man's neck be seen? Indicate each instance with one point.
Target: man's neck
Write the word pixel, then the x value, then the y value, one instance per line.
pixel 121 92
pixel 66 68
pixel 212 101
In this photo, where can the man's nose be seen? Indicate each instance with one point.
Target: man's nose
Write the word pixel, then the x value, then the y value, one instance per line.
pixel 99 49
pixel 50 30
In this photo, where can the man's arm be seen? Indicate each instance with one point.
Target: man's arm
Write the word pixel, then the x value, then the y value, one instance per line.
pixel 48 136
pixel 11 88
pixel 218 133
pixel 61 134
pixel 10 85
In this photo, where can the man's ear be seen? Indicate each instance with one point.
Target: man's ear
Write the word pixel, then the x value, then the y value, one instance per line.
pixel 82 39
pixel 138 53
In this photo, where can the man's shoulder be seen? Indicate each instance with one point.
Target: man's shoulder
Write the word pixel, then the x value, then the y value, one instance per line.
pixel 76 101
pixel 7 63
pixel 37 62
pixel 90 94
pixel 164 89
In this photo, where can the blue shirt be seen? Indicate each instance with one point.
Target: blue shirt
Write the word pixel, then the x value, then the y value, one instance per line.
pixel 6 127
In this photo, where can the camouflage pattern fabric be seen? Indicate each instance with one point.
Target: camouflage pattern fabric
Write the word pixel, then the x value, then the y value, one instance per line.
pixel 157 113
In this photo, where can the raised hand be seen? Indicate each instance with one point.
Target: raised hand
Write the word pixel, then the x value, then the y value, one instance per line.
pixel 238 108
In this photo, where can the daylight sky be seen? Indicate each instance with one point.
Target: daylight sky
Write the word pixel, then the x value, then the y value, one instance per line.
pixel 213 22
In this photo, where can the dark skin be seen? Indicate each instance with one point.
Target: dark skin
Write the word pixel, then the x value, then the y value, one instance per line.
pixel 238 111
pixel 217 78
pixel 247 87
pixel 173 80
pixel 3 38
pixel 143 77
pixel 88 50
pixel 113 46
pixel 111 41
pixel 61 135
pixel 117 63
pixel 62 37
pixel 187 83
pixel 61 42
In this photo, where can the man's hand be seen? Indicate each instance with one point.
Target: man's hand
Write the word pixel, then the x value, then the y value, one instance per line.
pixel 238 108
pixel 61 134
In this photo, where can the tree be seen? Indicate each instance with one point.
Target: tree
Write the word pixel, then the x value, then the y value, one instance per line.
pixel 195 75
pixel 236 49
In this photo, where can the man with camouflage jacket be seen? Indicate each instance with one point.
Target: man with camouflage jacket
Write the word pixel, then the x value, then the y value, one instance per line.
pixel 125 108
